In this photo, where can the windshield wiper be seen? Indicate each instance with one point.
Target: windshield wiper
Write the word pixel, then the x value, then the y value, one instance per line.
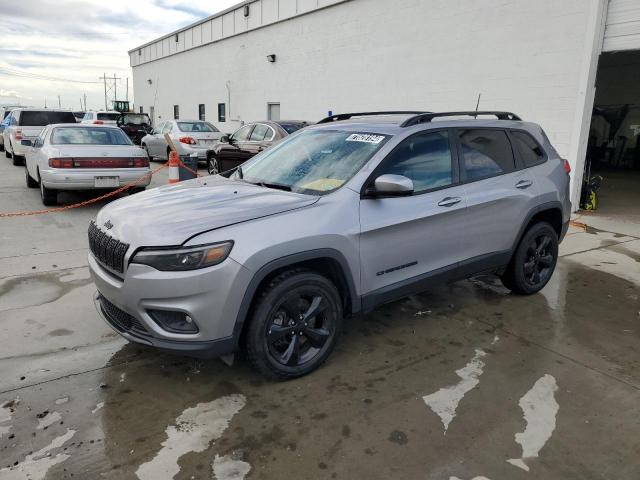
pixel 275 186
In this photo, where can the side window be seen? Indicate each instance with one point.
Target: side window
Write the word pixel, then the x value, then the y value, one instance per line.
pixel 425 158
pixel 258 133
pixel 242 134
pixel 486 153
pixel 40 140
pixel 167 128
pixel 158 129
pixel 270 134
pixel 531 152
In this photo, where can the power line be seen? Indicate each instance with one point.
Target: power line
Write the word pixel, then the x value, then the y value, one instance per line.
pixel 36 76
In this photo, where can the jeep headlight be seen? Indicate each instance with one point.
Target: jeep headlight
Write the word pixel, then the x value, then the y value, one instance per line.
pixel 188 258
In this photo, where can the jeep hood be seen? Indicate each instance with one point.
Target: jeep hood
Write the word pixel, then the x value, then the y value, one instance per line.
pixel 172 214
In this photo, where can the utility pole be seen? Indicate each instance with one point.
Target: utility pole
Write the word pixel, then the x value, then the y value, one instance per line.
pixel 45 102
pixel 110 85
pixel 80 103
pixel 59 104
pixel 85 102
pixel 127 99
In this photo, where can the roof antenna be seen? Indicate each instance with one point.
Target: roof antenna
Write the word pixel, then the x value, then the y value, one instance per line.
pixel 477 105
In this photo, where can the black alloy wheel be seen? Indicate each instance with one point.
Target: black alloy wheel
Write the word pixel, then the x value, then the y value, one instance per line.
pixel 534 261
pixel 294 325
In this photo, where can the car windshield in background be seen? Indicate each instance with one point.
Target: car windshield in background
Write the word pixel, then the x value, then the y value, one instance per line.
pixel 313 162
pixel 42 118
pixel 292 127
pixel 196 127
pixel 108 116
pixel 134 119
pixel 88 136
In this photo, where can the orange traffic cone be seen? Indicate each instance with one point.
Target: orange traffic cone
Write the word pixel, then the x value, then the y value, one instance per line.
pixel 174 167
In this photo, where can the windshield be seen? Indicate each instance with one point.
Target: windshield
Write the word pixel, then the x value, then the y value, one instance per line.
pixel 108 116
pixel 42 118
pixel 134 119
pixel 313 162
pixel 89 136
pixel 196 127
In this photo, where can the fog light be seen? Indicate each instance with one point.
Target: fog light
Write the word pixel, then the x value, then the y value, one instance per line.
pixel 174 322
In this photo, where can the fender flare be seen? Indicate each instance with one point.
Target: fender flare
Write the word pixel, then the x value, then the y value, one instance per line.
pixel 285 261
pixel 553 205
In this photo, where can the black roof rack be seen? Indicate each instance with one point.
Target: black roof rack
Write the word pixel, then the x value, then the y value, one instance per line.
pixel 347 116
pixel 427 117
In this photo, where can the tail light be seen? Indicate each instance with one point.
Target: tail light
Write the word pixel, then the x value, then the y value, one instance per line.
pixel 61 162
pixel 109 162
pixel 187 140
pixel 567 166
pixel 18 134
pixel 98 122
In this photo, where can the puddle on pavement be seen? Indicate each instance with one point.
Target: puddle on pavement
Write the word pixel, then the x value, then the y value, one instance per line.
pixel 18 292
pixel 365 403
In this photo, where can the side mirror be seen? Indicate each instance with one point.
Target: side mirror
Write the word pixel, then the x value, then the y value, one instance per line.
pixel 26 143
pixel 225 139
pixel 393 185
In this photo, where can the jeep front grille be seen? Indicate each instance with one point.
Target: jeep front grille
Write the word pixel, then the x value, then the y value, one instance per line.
pixel 107 249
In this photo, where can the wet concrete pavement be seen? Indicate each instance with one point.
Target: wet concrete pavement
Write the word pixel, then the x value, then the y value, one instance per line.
pixel 555 375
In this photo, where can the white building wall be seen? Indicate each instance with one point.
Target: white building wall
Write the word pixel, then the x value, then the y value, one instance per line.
pixel 523 56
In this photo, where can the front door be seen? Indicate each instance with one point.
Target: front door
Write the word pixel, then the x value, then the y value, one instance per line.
pixel 153 142
pixel 499 193
pixel 406 239
pixel 235 152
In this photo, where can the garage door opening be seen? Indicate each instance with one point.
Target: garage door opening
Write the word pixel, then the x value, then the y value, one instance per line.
pixel 613 152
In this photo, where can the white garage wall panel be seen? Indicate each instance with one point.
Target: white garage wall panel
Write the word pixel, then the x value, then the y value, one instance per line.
pixel 623 26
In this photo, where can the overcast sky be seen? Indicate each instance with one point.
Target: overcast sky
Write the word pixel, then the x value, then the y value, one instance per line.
pixel 78 40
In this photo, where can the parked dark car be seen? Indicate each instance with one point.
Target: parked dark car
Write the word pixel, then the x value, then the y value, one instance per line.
pixel 135 125
pixel 249 140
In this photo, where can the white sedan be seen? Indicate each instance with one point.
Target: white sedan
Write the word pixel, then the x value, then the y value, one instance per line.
pixel 82 157
pixel 188 136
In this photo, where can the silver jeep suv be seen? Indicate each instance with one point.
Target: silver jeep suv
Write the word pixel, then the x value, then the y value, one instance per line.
pixel 345 215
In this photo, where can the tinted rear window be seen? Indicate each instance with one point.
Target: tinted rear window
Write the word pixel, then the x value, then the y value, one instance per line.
pixel 108 116
pixel 196 127
pixel 487 153
pixel 88 136
pixel 292 127
pixel 42 118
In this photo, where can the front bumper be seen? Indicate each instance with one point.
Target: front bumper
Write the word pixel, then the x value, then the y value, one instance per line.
pixel 210 296
pixel 71 179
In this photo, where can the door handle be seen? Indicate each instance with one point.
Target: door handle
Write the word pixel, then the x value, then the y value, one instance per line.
pixel 524 184
pixel 449 201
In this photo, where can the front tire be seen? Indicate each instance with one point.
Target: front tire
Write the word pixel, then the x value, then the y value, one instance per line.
pixel 294 326
pixel 534 260
pixel 212 165
pixel 48 195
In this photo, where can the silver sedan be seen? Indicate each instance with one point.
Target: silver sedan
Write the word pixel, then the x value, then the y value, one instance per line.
pixel 189 136
pixel 82 157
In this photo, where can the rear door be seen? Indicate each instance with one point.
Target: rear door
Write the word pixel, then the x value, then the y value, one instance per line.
pixel 257 141
pixel 498 190
pixel 404 239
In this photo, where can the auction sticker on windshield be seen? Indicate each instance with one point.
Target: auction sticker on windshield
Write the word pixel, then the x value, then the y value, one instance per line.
pixel 366 138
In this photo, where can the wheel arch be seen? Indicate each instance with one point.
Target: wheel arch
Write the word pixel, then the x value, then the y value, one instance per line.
pixel 550 212
pixel 327 262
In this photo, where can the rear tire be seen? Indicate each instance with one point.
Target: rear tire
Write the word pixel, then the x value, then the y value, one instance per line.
pixel 6 152
pixel 294 324
pixel 534 261
pixel 1 147
pixel 31 183
pixel 212 165
pixel 18 161
pixel 48 195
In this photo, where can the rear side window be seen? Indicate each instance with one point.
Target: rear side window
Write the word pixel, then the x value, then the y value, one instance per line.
pixel 486 153
pixel 531 152
pixel 243 133
pixel 259 133
pixel 40 119
pixel 425 158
